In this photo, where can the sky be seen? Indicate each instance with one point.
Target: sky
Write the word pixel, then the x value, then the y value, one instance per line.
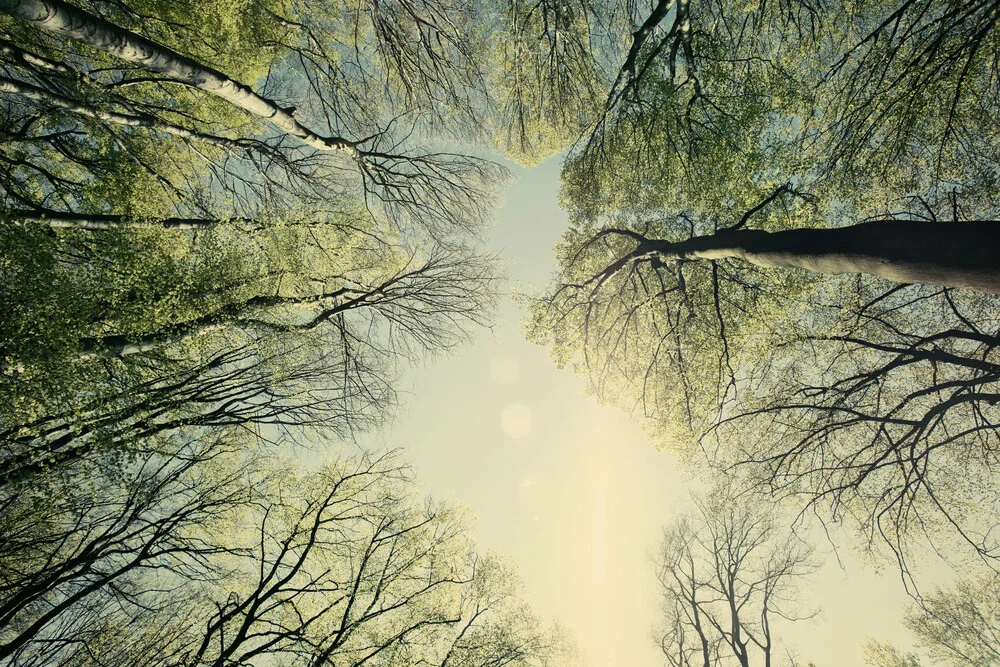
pixel 572 492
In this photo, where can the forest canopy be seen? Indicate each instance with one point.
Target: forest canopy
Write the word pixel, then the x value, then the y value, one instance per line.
pixel 774 255
pixel 228 228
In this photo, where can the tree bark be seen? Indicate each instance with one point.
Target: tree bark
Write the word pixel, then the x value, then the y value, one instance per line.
pixel 113 346
pixel 963 254
pixel 59 219
pixel 70 22
pixel 133 120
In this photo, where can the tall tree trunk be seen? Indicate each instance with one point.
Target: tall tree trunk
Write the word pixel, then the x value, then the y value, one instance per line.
pixel 70 22
pixel 133 120
pixel 239 314
pixel 962 254
pixel 60 219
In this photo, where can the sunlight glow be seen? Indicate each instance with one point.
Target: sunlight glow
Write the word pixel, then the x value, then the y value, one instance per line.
pixel 516 420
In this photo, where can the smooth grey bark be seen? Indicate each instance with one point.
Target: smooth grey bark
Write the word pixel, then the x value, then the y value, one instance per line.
pixel 95 221
pixel 30 59
pixel 960 254
pixel 133 120
pixel 70 22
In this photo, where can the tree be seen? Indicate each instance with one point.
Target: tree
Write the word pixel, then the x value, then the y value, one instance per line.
pixel 728 576
pixel 958 625
pixel 195 264
pixel 722 274
pixel 954 626
pixel 549 85
pixel 76 547
pixel 841 96
pixel 132 89
pixel 895 426
pixel 203 555
pixel 880 654
pixel 905 251
pixel 297 327
pixel 208 269
pixel 859 397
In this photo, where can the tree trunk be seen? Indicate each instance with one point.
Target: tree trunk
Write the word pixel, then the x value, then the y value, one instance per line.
pixel 59 219
pixel 962 254
pixel 133 120
pixel 239 314
pixel 70 22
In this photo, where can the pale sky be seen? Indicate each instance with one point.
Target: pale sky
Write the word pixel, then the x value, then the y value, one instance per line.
pixel 572 492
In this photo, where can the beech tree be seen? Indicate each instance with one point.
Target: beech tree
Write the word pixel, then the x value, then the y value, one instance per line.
pixel 398 179
pixel 154 331
pixel 955 625
pixel 348 94
pixel 208 555
pixel 219 229
pixel 894 426
pixel 832 92
pixel 863 399
pixel 549 87
pixel 214 256
pixel 904 251
pixel 86 540
pixel 739 267
pixel 728 577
